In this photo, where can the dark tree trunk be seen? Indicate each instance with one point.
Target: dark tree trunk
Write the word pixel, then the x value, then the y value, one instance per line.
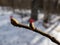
pixel 46 11
pixel 58 7
pixel 35 5
pixel 34 10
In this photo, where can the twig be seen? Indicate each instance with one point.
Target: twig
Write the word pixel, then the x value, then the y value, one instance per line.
pixel 39 31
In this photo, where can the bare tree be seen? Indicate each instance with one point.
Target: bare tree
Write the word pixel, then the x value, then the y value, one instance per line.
pixel 50 7
pixel 35 6
pixel 58 7
pixel 34 9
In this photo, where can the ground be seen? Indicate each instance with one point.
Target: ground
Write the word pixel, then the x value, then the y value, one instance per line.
pixel 11 35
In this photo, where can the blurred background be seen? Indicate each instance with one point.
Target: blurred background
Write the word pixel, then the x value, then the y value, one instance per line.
pixel 46 14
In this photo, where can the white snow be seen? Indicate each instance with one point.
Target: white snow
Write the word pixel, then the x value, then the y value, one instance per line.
pixel 11 35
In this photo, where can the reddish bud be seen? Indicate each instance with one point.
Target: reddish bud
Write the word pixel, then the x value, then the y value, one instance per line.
pixel 31 20
pixel 11 16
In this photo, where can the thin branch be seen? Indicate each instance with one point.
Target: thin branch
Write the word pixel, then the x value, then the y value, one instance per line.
pixel 39 31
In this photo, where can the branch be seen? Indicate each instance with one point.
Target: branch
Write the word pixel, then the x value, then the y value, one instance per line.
pixel 38 31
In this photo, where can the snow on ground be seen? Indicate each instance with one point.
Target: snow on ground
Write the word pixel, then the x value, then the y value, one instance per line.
pixel 10 35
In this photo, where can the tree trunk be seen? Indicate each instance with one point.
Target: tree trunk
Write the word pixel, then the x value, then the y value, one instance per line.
pixel 34 10
pixel 46 10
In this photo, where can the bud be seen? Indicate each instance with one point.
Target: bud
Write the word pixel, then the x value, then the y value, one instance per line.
pixel 11 16
pixel 31 20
